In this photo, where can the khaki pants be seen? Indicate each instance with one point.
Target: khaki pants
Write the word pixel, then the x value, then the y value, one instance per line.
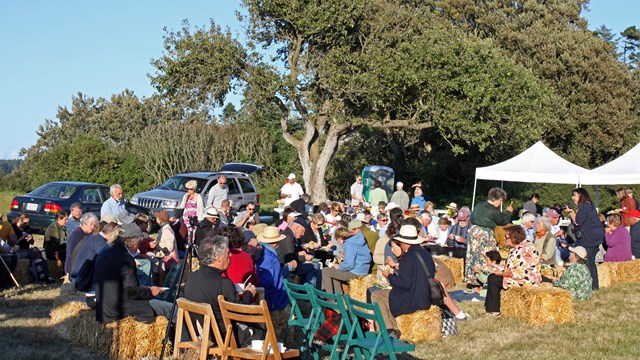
pixel 382 298
pixel 332 279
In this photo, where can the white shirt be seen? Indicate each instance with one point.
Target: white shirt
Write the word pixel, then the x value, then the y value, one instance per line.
pixel 217 194
pixel 356 193
pixel 295 190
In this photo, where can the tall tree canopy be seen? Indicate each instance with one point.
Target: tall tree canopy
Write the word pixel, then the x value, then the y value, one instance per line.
pixel 337 66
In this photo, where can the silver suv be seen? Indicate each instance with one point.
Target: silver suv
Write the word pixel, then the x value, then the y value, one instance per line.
pixel 169 195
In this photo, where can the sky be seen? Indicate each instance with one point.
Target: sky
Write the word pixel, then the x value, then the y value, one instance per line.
pixel 51 50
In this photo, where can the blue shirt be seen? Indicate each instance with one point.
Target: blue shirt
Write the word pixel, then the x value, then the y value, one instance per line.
pixel 111 207
pixel 270 278
pixel 357 256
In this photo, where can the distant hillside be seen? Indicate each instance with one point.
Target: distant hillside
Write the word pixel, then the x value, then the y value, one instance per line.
pixel 7 166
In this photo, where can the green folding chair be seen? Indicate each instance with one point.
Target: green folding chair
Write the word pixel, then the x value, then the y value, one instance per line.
pixel 299 293
pixel 323 301
pixel 171 282
pixel 371 343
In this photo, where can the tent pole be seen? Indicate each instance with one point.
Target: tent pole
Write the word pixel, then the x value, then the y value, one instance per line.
pixel 473 200
pixel 501 187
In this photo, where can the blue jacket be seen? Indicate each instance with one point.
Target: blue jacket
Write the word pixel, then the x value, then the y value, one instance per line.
pixel 410 289
pixel 419 200
pixel 270 278
pixel 357 256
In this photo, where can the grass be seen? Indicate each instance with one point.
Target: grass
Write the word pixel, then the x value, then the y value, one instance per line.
pixel 5 202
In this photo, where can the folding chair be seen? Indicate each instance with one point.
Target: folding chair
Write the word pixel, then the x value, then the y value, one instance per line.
pixel 321 302
pixel 209 328
pixel 171 282
pixel 371 343
pixel 251 314
pixel 297 294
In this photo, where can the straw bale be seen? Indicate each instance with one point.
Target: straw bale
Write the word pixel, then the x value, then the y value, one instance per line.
pixel 358 287
pixel 54 270
pixel 607 274
pixel 22 272
pixel 538 305
pixel 628 271
pixel 553 272
pixel 455 265
pixel 421 325
pixel 131 339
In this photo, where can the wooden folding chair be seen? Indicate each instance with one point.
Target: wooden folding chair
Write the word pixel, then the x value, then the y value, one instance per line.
pixel 371 343
pixel 186 308
pixel 251 314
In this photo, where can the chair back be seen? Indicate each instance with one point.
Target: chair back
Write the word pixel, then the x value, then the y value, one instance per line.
pixel 201 341
pixel 322 301
pixel 171 282
pixel 297 293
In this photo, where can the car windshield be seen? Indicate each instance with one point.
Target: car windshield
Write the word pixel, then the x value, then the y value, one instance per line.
pixel 178 183
pixel 57 191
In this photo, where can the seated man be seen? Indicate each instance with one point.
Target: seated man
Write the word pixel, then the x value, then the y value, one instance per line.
pixel 410 288
pixel 206 283
pixel 118 294
pixel 268 268
pixel 357 258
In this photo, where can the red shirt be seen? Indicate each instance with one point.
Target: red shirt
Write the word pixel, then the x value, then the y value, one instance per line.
pixel 240 267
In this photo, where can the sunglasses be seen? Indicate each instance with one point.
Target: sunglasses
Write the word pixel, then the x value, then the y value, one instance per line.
pixel 383 220
pixel 191 189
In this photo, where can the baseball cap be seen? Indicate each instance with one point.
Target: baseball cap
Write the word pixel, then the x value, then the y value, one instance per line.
pixel 291 176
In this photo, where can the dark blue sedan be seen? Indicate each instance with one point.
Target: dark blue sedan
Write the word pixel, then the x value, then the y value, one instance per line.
pixel 43 203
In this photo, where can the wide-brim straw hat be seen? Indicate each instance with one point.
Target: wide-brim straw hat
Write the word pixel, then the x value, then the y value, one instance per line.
pixel 270 235
pixel 409 235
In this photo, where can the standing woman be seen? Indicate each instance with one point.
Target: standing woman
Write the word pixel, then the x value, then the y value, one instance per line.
pixel 627 204
pixel 588 229
pixel 193 206
pixel 484 218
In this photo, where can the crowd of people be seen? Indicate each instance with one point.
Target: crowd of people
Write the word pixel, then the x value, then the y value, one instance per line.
pixel 327 244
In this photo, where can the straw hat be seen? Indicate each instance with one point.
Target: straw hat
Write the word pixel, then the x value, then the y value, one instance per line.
pixel 579 251
pixel 212 212
pixel 270 235
pixel 409 235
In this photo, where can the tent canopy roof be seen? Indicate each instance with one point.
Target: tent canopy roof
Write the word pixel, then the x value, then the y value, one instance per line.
pixel 537 164
pixel 623 170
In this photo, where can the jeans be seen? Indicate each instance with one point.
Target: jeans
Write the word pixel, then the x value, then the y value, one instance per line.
pixel 591 265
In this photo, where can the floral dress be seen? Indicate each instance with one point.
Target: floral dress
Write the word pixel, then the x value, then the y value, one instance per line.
pixel 190 209
pixel 577 280
pixel 524 263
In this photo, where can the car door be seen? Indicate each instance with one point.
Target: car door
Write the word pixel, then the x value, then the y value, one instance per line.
pixel 91 200
pixel 234 194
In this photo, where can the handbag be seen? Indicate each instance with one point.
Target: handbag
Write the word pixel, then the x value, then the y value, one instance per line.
pixel 449 326
pixel 84 280
pixel 435 288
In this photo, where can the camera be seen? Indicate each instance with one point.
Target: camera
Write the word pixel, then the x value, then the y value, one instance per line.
pixel 193 221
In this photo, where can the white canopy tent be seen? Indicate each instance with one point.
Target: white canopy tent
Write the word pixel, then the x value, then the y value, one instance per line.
pixel 621 171
pixel 537 164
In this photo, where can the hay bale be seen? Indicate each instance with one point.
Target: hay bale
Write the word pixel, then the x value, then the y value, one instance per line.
pixel 538 305
pixel 455 265
pixel 54 270
pixel 628 271
pixel 131 339
pixel 607 274
pixel 22 272
pixel 422 325
pixel 358 287
pixel 553 271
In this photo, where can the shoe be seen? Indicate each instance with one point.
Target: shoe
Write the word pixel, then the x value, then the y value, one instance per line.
pixel 475 299
pixel 462 316
pixel 395 333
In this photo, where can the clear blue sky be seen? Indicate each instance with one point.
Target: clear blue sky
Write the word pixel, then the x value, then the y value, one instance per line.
pixel 53 49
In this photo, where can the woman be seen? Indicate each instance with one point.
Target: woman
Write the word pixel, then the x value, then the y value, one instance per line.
pixel 39 268
pixel 166 241
pixel 193 206
pixel 576 279
pixel 484 218
pixel 627 204
pixel 521 268
pixel 588 229
pixel 317 221
pixel 544 241
pixel 334 216
pixel 418 199
pixel 55 238
pixel 241 266
pixel 618 240
pixel 530 205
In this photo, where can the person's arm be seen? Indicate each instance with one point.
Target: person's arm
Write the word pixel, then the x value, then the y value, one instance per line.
pixel 403 278
pixel 210 197
pixel 183 203
pixel 130 284
pixel 349 262
pixel 378 252
pixel 168 239
pixel 200 207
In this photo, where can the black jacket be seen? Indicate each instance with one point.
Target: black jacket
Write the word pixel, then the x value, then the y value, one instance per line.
pixel 118 293
pixel 410 289
pixel 205 285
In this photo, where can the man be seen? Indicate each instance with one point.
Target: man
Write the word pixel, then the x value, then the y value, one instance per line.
pixel 74 218
pixel 208 224
pixel 357 260
pixel 291 190
pixel 357 190
pixel 409 284
pixel 249 214
pixel 92 246
pixel 88 224
pixel 114 205
pixel 118 294
pixel 218 193
pixel 268 269
pixel 301 204
pixel 429 229
pixel 224 211
pixel 400 197
pixel 458 234
pixel 180 232
pixel 378 194
pixel 370 236
pixel 206 283
pixel 554 219
pixel 528 220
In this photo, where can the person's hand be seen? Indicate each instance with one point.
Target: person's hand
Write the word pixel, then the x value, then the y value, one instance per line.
pixel 308 257
pixel 293 264
pixel 397 251
pixel 153 244
pixel 336 266
pixel 507 273
pixel 476 268
pixel 386 273
pixel 155 290
pixel 510 208
pixel 452 237
pixel 250 288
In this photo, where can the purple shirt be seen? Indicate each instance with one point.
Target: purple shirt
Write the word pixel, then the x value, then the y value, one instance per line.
pixel 619 243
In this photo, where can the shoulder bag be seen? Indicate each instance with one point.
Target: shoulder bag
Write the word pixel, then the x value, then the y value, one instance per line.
pixel 435 288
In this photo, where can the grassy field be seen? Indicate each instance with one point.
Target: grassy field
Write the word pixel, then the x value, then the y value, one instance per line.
pixel 607 328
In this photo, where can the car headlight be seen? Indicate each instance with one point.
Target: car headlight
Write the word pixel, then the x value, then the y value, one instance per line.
pixel 134 200
pixel 169 204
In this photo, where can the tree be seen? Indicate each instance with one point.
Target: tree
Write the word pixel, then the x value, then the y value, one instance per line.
pixel 631 47
pixel 339 66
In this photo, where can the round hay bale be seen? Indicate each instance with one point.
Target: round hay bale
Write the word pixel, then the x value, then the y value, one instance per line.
pixel 538 305
pixel 358 287
pixel 422 325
